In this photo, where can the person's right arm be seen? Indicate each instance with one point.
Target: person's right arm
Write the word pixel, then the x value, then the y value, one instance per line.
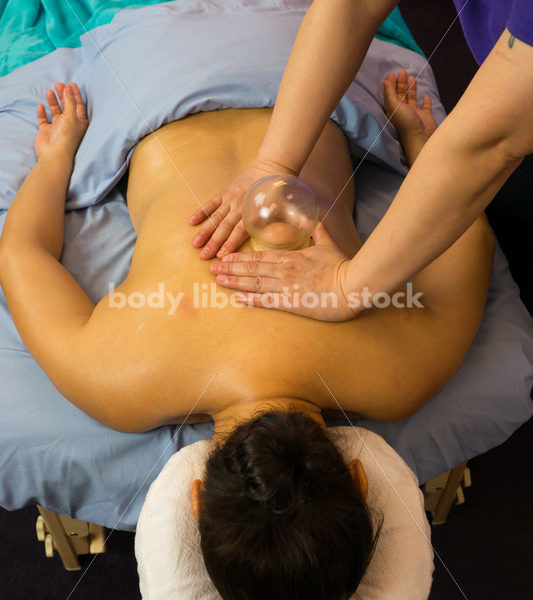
pixel 46 303
pixel 330 46
pixel 457 174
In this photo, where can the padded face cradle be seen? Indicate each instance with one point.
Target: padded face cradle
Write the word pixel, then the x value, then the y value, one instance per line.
pixel 167 543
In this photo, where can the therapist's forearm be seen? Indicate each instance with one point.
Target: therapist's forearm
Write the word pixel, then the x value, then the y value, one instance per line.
pixel 330 46
pixel 445 191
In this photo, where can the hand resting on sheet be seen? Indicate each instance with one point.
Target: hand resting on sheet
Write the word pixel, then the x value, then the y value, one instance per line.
pixel 68 125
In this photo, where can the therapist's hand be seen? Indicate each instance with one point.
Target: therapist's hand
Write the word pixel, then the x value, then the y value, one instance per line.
pixel 224 231
pixel 280 278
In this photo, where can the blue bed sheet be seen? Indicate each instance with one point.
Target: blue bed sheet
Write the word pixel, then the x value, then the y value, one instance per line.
pixel 51 452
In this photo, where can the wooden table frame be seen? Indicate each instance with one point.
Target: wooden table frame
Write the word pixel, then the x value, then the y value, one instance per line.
pixel 69 537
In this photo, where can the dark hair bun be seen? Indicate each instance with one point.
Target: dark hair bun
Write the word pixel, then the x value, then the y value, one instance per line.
pixel 272 464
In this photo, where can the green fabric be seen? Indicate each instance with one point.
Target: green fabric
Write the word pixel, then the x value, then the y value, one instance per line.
pixel 32 28
pixel 395 30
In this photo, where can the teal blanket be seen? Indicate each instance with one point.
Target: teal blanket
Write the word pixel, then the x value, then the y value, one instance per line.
pixel 30 29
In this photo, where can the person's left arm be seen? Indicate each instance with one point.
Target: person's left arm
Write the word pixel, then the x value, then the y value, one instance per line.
pixel 47 305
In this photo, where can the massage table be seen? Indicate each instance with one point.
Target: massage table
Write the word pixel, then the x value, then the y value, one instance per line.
pixel 207 55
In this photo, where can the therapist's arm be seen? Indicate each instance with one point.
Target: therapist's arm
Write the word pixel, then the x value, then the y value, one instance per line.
pixel 457 173
pixel 330 46
pixel 453 179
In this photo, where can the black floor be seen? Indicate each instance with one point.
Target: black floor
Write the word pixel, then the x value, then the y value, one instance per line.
pixel 26 573
pixel 487 543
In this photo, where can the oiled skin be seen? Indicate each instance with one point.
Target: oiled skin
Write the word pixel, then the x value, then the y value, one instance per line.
pixel 153 368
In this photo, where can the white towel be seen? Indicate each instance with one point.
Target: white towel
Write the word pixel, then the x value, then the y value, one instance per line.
pixel 167 542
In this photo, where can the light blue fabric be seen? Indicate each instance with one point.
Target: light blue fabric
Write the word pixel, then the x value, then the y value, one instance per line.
pixel 51 452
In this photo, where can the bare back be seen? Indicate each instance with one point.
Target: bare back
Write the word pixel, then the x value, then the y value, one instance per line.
pixel 383 365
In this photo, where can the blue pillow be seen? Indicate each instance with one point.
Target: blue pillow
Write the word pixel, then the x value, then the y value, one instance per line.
pixel 157 64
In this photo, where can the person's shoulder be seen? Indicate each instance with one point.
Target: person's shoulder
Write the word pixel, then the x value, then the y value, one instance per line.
pixel 115 367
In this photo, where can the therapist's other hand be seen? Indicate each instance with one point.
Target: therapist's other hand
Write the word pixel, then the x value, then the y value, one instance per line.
pixel 63 134
pixel 279 278
pixel 401 107
pixel 224 231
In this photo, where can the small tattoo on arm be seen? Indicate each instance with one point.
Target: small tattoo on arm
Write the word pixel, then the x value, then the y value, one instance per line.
pixel 511 41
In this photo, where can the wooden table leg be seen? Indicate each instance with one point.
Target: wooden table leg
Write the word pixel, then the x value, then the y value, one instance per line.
pixel 70 537
pixel 61 540
pixel 441 493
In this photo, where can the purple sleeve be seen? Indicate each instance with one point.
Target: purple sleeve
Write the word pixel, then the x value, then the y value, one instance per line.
pixel 520 23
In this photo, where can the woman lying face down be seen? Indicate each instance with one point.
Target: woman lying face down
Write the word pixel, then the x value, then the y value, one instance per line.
pixel 278 506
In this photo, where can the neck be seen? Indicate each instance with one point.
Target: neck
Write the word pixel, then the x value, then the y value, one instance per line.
pixel 227 419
